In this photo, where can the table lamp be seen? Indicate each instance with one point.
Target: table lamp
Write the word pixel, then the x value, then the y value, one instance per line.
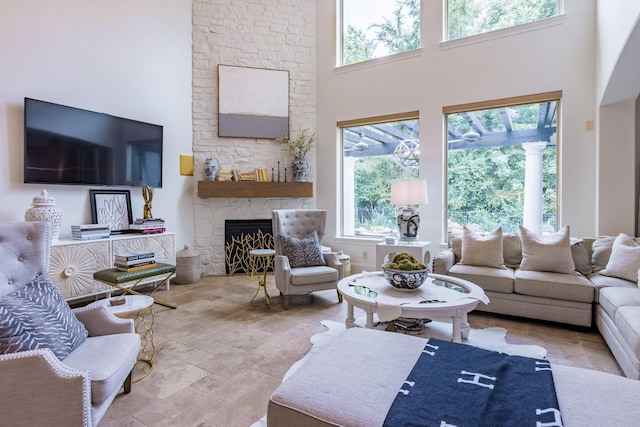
pixel 408 193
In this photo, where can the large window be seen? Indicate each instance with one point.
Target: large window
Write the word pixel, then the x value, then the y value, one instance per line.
pixel 375 152
pixel 376 28
pixel 502 164
pixel 470 17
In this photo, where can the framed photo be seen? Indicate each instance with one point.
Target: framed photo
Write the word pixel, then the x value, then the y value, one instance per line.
pixel 111 207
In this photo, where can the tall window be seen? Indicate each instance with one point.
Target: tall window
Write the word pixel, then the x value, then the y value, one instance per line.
pixel 470 17
pixel 502 164
pixel 375 152
pixel 376 28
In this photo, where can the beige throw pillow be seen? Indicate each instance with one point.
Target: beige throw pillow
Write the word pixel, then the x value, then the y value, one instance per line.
pixel 482 249
pixel 625 259
pixel 551 252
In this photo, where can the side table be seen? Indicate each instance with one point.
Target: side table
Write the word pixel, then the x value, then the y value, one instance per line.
pixel 139 308
pixel 265 255
pixel 418 249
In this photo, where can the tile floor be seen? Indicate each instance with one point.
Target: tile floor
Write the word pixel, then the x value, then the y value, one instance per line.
pixel 218 359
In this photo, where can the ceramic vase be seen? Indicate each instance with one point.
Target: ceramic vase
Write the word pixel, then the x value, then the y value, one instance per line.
pixel 299 170
pixel 44 209
pixel 211 169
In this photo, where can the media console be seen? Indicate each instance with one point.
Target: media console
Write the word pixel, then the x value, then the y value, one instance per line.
pixel 73 262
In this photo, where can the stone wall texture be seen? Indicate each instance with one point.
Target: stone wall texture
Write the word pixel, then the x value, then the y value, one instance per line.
pixel 271 34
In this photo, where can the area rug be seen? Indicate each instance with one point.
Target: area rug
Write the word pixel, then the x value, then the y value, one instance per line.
pixel 487 338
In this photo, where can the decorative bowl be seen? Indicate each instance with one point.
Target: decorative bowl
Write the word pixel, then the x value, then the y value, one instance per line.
pixel 405 279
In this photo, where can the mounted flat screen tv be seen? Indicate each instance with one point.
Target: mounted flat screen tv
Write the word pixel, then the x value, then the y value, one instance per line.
pixel 67 145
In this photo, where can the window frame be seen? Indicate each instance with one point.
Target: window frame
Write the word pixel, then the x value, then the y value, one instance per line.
pixel 340 126
pixel 555 96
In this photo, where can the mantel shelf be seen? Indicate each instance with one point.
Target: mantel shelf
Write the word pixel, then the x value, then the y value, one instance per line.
pixel 235 189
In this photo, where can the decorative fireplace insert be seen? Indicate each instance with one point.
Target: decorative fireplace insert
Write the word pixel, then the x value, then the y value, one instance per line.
pixel 242 236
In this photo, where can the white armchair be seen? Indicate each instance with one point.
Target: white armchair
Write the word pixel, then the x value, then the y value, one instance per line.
pixel 38 386
pixel 298 268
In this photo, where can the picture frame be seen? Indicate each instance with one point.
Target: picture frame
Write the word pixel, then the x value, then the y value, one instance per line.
pixel 253 102
pixel 111 207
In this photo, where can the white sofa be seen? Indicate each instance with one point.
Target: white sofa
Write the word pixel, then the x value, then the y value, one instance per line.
pixel 590 292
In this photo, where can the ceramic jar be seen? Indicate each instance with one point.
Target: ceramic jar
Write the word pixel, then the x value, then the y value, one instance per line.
pixel 211 169
pixel 299 170
pixel 44 209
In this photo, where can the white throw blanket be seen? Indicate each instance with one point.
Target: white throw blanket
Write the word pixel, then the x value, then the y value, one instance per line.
pixel 390 299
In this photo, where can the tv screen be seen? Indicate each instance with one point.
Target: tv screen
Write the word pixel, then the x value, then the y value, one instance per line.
pixel 67 145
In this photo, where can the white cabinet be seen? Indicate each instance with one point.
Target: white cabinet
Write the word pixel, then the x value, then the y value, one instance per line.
pixel 419 250
pixel 73 262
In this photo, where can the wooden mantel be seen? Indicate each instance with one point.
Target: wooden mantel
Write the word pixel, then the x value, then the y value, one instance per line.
pixel 235 189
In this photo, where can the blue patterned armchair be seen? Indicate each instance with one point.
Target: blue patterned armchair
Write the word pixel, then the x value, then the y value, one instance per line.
pixel 58 367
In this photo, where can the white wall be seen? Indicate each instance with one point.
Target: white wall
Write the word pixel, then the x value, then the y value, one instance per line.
pixel 558 57
pixel 127 58
pixel 268 34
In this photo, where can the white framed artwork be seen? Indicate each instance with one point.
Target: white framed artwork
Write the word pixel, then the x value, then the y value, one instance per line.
pixel 253 102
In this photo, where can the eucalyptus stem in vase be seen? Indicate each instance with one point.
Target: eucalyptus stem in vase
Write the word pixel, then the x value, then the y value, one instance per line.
pixel 299 147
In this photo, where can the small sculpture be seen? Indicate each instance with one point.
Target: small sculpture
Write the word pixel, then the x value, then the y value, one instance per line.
pixel 147 194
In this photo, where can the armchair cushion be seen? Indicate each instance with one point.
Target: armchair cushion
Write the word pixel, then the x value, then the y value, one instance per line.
pixel 305 252
pixel 37 316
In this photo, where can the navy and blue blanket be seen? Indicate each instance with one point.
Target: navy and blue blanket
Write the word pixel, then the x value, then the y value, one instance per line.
pixel 463 386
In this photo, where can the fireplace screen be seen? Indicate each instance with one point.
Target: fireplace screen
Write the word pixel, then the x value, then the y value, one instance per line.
pixel 242 236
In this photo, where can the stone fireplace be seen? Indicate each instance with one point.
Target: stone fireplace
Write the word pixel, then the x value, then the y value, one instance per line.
pixel 240 237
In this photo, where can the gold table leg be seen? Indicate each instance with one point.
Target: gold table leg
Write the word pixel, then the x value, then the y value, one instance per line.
pixel 262 281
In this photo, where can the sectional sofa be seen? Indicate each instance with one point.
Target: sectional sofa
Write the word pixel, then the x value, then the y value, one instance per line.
pixel 576 281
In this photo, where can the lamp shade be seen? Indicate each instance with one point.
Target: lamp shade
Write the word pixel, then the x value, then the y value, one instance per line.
pixel 409 192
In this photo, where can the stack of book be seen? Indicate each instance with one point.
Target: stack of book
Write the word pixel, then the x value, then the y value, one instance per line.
pixel 90 231
pixel 148 226
pixel 134 261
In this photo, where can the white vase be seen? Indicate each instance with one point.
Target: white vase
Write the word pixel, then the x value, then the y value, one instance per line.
pixel 299 170
pixel 44 209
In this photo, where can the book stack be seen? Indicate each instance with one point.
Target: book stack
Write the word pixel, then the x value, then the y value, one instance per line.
pixel 134 261
pixel 263 175
pixel 225 175
pixel 148 226
pixel 90 231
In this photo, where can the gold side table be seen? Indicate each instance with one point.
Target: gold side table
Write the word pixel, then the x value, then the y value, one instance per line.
pixel 264 255
pixel 139 308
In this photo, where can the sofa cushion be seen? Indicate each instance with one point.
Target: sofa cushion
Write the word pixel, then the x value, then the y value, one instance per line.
pixel 512 247
pixel 581 257
pixel 488 278
pixel 627 319
pixel 37 316
pixel 305 252
pixel 613 298
pixel 455 243
pixel 601 282
pixel 482 249
pixel 601 252
pixel 550 252
pixel 571 287
pixel 624 261
pixel 103 357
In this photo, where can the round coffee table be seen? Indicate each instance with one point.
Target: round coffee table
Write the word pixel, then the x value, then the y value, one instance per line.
pixel 439 297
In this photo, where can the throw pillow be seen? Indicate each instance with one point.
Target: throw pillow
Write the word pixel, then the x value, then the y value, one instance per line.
pixel 580 256
pixel 482 249
pixel 625 259
pixel 551 252
pixel 455 243
pixel 601 252
pixel 305 252
pixel 512 250
pixel 37 316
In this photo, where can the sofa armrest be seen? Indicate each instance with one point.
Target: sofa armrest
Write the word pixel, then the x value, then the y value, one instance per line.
pixel 38 389
pixel 443 261
pixel 100 321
